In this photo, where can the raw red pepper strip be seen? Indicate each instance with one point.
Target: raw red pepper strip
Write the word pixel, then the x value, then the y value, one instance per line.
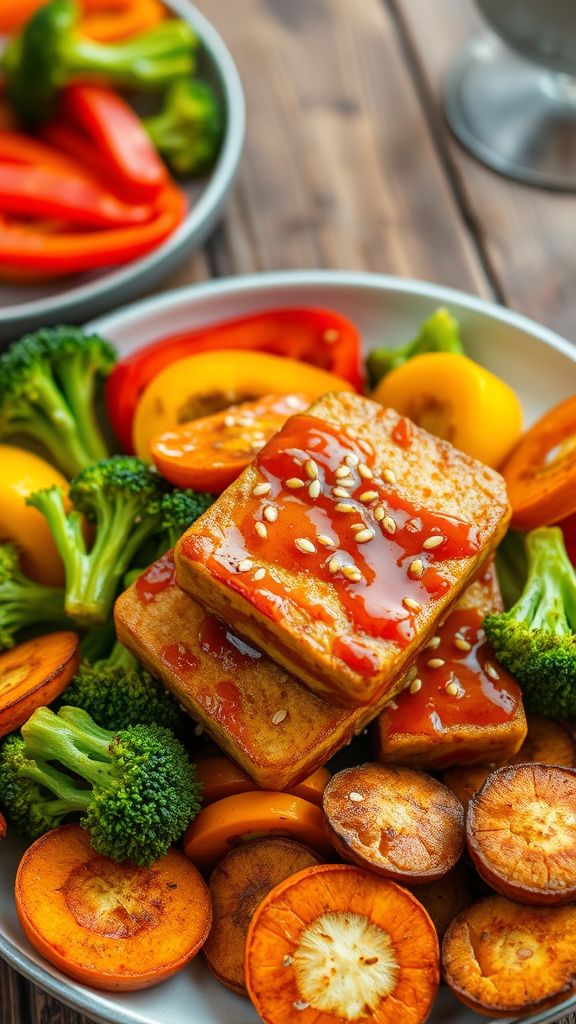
pixel 320 337
pixel 16 148
pixel 119 136
pixel 80 147
pixel 33 191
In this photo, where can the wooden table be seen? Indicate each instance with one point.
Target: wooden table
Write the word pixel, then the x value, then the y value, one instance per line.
pixel 348 164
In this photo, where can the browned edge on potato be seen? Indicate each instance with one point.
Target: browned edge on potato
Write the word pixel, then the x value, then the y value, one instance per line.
pixel 504 960
pixel 447 897
pixel 33 674
pixel 521 833
pixel 398 822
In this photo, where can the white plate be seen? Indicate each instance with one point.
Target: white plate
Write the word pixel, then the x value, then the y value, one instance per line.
pixel 23 307
pixel 539 364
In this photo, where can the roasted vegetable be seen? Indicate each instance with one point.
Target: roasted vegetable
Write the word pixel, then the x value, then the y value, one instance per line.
pixel 25 603
pixel 535 640
pixel 135 790
pixel 439 333
pixel 122 498
pixel 50 52
pixel 33 674
pixel 48 385
pixel 188 130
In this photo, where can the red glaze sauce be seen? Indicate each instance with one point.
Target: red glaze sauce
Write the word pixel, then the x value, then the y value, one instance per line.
pixel 218 640
pixel 356 654
pixel 157 577
pixel 179 658
pixel 374 603
pixel 403 433
pixel 481 700
pixel 223 703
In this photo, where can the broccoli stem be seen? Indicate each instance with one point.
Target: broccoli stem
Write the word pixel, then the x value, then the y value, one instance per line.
pixel 439 333
pixel 548 601
pixel 120 657
pixel 26 603
pixel 75 741
pixel 56 428
pixel 69 798
pixel 150 60
pixel 78 383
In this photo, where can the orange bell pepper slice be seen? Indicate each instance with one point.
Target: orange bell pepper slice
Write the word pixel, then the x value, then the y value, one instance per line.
pixel 110 26
pixel 220 778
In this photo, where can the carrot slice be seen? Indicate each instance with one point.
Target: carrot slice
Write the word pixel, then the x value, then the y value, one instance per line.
pixel 220 778
pixel 209 453
pixel 504 960
pixel 33 674
pixel 398 822
pixel 540 473
pixel 337 944
pixel 113 926
pixel 237 887
pixel 236 819
pixel 521 833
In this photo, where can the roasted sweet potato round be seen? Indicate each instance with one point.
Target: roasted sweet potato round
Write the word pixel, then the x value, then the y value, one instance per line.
pixel 33 673
pixel 504 960
pixel 447 896
pixel 398 822
pixel 521 833
pixel 237 886
pixel 465 780
pixel 340 945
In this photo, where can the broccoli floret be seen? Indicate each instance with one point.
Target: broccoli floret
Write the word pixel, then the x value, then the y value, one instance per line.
pixel 440 333
pixel 122 497
pixel 188 130
pixel 135 791
pixel 535 640
pixel 48 385
pixel 50 52
pixel 179 510
pixel 118 693
pixel 23 602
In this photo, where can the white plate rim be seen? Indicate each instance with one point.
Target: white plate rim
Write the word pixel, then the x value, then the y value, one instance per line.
pixel 81 998
pixel 199 220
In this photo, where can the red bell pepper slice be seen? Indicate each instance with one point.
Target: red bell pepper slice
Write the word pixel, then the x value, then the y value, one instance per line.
pixel 317 336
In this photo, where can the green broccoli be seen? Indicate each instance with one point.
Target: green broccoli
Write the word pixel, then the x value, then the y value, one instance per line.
pixel 135 791
pixel 188 130
pixel 122 497
pixel 48 385
pixel 23 602
pixel 535 640
pixel 179 510
pixel 439 333
pixel 118 693
pixel 50 52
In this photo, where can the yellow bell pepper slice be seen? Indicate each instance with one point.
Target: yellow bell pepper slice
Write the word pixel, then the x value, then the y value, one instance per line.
pixel 21 473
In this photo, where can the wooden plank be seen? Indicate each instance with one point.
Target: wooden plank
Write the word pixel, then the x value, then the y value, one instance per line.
pixel 13 1009
pixel 44 1009
pixel 340 169
pixel 527 234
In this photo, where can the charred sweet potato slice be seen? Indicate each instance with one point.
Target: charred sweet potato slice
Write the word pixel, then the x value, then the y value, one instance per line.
pixel 237 887
pixel 337 944
pixel 504 960
pixel 465 780
pixel 398 822
pixel 34 673
pixel 447 897
pixel 521 833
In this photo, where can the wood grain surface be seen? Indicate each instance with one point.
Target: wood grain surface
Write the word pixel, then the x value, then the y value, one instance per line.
pixel 349 164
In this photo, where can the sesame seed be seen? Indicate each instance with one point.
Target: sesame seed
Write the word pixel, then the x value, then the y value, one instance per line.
pixel 292 401
pixel 311 469
pixel 389 525
pixel 393 705
pixel 356 798
pixel 261 530
pixel 525 953
pixel 334 565
pixel 358 526
pixel 305 546
pixel 367 496
pixel 229 421
pixel 259 574
pixel 342 506
pixel 411 604
pixel 416 568
pixel 293 483
pixel 326 541
pixel 245 565
pixel 435 663
pixel 490 670
pixel 365 471
pixel 366 447
pixel 287 961
pixel 379 513
pixel 279 716
pixel 331 335
pixel 340 492
pixel 260 489
pixel 352 433
pixel 452 689
pixel 300 1004
pixel 433 643
pixel 363 536
pixel 462 644
pixel 314 489
pixel 433 542
pixel 415 685
pixel 271 513
pixel 198 729
pixel 341 472
pixel 351 460
pixel 352 573
pixel 389 476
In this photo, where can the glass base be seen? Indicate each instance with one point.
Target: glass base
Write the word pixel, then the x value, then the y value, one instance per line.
pixel 515 116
